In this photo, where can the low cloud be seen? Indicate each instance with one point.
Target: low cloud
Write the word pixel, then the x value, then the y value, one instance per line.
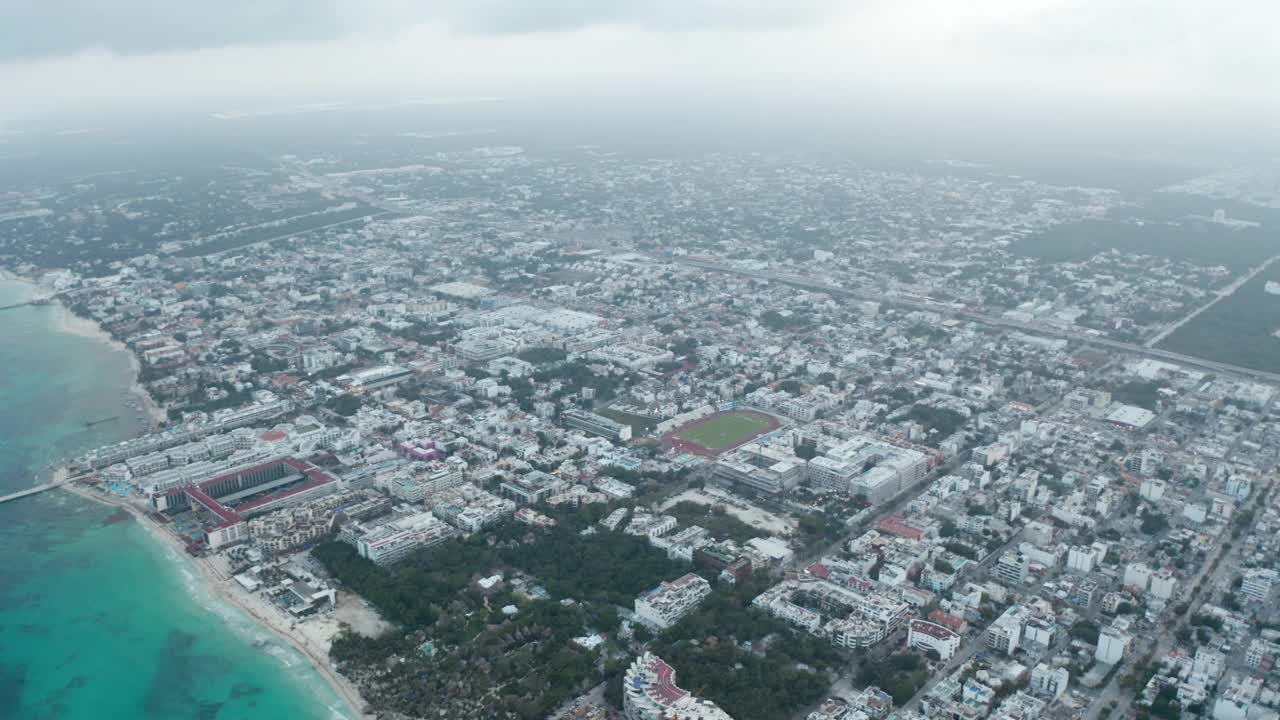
pixel 55 28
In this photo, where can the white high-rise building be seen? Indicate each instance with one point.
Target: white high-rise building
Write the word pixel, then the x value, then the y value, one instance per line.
pixel 1049 681
pixel 1257 584
pixel 1080 559
pixel 1112 645
pixel 1137 576
pixel 1163 584
pixel 1012 568
pixel 1006 632
pixel 649 692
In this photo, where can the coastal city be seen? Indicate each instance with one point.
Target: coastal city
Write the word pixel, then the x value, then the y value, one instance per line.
pixel 581 435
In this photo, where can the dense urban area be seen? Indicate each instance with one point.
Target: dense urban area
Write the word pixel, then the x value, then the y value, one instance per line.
pixel 589 434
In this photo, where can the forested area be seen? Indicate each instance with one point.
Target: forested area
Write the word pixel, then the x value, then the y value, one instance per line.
pixel 768 681
pixel 715 519
pixel 606 568
pixel 483 660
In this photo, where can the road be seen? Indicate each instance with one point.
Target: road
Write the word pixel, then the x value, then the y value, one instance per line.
pixel 1112 691
pixel 980 317
pixel 295 233
pixel 1209 576
pixel 976 640
pixel 1225 292
pixel 1124 698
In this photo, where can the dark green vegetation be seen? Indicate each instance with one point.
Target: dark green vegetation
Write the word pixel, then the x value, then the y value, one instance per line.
pixel 706 650
pixel 1237 329
pixel 719 523
pixel 1086 631
pixel 1074 167
pixel 1203 243
pixel 345 405
pixel 488 665
pixel 542 355
pixel 777 321
pixel 575 376
pixel 943 421
pixel 1165 705
pixel 1143 394
pixel 607 568
pixel 899 675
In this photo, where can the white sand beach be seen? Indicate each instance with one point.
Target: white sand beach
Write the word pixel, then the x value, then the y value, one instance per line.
pixel 73 324
pixel 310 638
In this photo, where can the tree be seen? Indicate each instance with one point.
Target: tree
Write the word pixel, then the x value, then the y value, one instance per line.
pixel 1153 522
pixel 1086 631
pixel 344 405
pixel 791 387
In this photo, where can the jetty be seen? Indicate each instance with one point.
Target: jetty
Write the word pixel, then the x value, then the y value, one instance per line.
pixel 37 489
pixel 38 300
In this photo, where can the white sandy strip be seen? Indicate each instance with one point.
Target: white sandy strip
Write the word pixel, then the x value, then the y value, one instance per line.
pixel 311 644
pixel 73 324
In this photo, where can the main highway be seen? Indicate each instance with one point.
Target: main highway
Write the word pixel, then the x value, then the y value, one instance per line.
pixel 980 317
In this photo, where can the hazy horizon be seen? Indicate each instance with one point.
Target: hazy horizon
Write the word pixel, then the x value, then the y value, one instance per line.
pixel 1080 68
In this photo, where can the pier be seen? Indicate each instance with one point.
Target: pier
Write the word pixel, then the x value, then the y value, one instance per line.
pixel 38 300
pixel 36 490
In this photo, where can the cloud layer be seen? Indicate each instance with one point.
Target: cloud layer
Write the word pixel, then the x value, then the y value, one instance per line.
pixel 53 28
pixel 59 53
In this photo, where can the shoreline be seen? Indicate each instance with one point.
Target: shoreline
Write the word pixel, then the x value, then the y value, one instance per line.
pixel 250 605
pixel 73 324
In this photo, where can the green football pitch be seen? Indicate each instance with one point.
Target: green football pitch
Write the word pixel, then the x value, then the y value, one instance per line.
pixel 725 430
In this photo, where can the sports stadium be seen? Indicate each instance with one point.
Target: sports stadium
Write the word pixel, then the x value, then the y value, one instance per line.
pixel 720 432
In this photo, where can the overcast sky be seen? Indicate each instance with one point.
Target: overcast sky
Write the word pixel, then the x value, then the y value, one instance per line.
pixel 56 54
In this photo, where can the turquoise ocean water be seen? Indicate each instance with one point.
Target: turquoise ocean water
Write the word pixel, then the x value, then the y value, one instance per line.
pixel 99 621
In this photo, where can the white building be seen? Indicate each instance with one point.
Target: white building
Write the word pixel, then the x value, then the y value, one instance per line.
pixel 650 525
pixel 1138 577
pixel 663 606
pixel 596 425
pixel 769 467
pixel 471 509
pixel 1163 584
pixel 1209 662
pixel 1012 568
pixel 924 635
pixel 1005 633
pixel 1257 584
pixel 390 542
pixel 857 619
pixel 1151 489
pixel 1239 699
pixel 1050 681
pixel 650 693
pixel 1112 645
pixel 1081 559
